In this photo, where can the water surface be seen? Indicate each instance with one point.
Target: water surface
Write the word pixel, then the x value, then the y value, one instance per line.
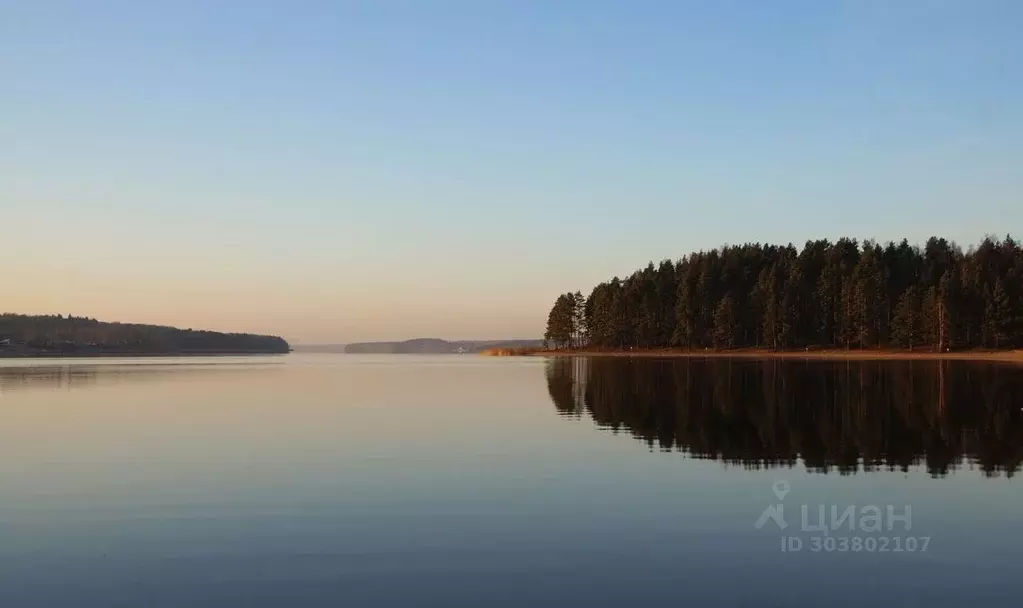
pixel 312 480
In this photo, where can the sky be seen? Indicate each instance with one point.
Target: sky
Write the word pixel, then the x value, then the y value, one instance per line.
pixel 336 171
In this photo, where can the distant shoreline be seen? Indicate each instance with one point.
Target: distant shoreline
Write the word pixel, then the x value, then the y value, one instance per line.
pixel 1008 356
pixel 85 355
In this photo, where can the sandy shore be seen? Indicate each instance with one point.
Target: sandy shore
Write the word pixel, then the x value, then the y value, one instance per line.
pixel 1008 356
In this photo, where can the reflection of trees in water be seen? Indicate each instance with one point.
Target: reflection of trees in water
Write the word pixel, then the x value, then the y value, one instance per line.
pixel 84 375
pixel 51 377
pixel 843 416
pixel 566 381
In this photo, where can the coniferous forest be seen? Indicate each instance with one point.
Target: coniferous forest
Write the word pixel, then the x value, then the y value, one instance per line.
pixel 828 295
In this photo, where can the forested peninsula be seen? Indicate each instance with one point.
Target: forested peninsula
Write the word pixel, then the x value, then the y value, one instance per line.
pixel 841 295
pixel 58 335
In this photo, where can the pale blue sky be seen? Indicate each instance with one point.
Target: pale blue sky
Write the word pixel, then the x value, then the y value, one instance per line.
pixel 336 171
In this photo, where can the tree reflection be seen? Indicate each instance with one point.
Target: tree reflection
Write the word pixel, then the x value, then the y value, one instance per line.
pixel 845 416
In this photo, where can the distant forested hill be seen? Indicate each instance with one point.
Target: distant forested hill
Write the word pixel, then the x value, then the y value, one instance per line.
pixel 436 346
pixel 57 334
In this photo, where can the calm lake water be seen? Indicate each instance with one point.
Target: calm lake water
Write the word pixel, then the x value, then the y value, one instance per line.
pixel 334 480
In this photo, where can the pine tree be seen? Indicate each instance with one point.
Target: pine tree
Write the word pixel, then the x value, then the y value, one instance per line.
pixel 686 306
pixel 826 297
pixel 945 311
pixel 791 306
pixel 999 314
pixel 771 323
pixel 725 316
pixel 666 293
pixel 906 323
pixel 579 318
pixel 559 322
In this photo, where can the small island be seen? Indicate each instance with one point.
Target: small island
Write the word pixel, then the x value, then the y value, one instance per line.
pixel 70 336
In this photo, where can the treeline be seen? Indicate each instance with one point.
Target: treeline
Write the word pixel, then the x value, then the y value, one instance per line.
pixel 843 417
pixel 828 295
pixel 68 334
